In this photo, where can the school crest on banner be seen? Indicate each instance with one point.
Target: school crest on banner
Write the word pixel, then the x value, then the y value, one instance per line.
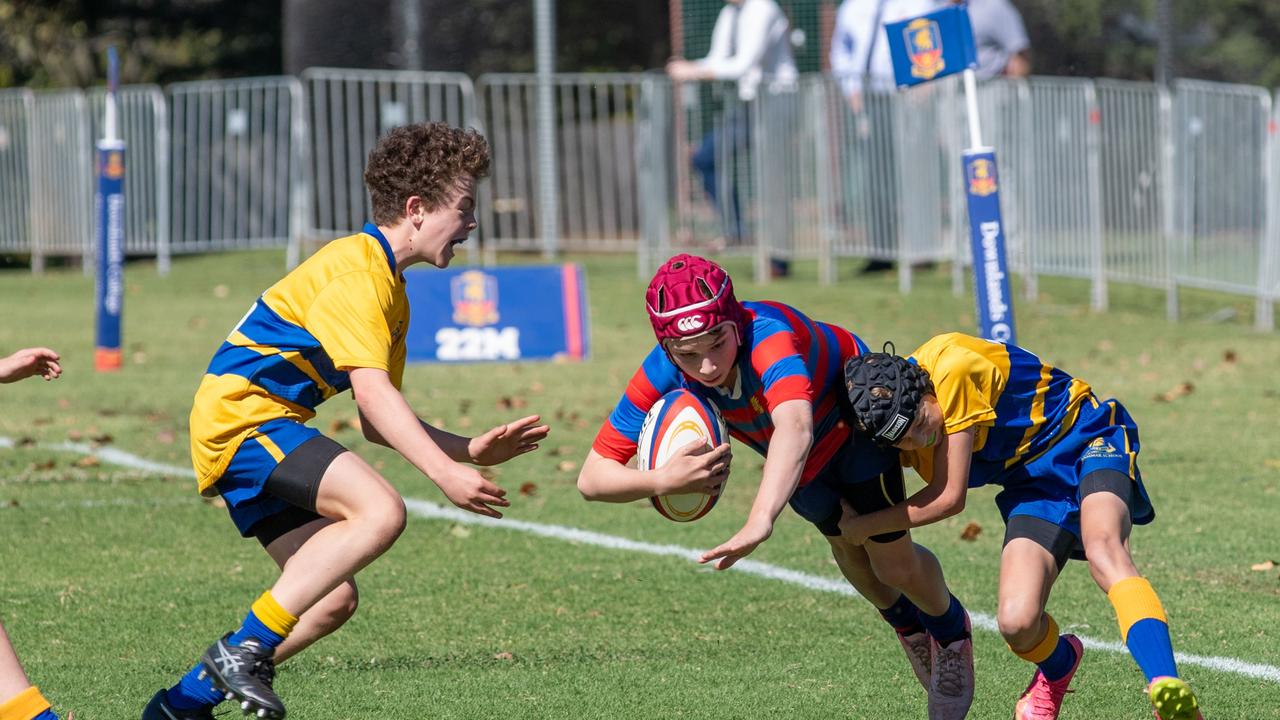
pixel 982 177
pixel 924 48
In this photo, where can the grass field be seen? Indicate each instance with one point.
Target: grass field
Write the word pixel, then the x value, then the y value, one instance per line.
pixel 113 579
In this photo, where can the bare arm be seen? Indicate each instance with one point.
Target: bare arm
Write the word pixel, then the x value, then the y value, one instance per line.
pixel 783 466
pixel 387 414
pixel 28 362
pixel 454 446
pixel 1019 65
pixel 943 497
pixel 690 469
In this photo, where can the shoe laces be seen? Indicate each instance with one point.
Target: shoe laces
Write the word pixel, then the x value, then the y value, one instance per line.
pixel 950 672
pixel 918 645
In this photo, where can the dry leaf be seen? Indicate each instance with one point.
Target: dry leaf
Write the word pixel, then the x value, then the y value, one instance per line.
pixel 165 437
pixel 567 466
pixel 529 489
pixel 41 421
pixel 1183 388
pixel 12 503
pixel 459 531
pixel 1263 566
pixel 45 465
pixel 1229 356
pixel 25 442
pixel 337 426
pixel 221 291
pixel 971 532
pixel 74 435
pixel 88 461
pixel 354 424
pixel 103 439
pixel 504 656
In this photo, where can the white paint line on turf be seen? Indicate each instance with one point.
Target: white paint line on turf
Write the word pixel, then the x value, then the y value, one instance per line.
pixel 430 510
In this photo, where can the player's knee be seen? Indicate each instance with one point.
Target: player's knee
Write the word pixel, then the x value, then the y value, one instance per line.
pixel 336 608
pixel 382 515
pixel 898 572
pixel 1019 621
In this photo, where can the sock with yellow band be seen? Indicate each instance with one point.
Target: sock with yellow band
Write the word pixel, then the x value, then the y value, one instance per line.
pixel 27 705
pixel 1143 627
pixel 1053 654
pixel 266 622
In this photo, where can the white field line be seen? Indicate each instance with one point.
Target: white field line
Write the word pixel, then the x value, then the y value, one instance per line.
pixel 432 511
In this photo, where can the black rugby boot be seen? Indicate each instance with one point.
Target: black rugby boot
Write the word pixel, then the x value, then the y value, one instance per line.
pixel 244 673
pixel 159 709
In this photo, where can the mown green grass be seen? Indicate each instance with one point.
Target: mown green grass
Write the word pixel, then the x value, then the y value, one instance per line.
pixel 113 580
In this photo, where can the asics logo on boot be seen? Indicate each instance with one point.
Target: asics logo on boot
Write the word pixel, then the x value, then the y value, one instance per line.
pixel 226 662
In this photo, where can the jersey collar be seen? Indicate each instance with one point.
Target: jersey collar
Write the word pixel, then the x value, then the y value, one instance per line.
pixel 371 229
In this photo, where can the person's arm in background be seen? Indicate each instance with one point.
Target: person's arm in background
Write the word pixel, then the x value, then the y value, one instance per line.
pixel 1012 36
pixel 849 54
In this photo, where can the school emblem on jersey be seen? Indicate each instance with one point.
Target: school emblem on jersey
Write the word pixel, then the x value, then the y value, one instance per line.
pixel 924 48
pixel 113 165
pixel 982 177
pixel 475 298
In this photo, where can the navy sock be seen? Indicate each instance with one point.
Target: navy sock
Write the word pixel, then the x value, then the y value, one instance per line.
pixel 192 693
pixel 1060 661
pixel 947 627
pixel 904 616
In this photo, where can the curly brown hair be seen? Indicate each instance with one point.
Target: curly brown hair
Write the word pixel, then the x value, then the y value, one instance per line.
pixel 425 159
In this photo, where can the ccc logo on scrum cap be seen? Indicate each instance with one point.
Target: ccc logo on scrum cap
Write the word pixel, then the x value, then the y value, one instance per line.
pixel 689 323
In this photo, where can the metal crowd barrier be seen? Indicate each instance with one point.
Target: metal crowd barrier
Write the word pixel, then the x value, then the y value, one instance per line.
pixel 1101 180
pixel 596 144
pixel 15 170
pixel 238 172
pixel 347 111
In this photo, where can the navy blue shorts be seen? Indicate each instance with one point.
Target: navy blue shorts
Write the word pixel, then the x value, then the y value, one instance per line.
pixel 868 476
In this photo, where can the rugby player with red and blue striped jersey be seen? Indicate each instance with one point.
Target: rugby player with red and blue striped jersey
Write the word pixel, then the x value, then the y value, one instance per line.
pixel 776 376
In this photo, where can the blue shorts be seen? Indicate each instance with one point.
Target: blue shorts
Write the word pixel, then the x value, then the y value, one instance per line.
pixel 1104 437
pixel 861 472
pixel 241 484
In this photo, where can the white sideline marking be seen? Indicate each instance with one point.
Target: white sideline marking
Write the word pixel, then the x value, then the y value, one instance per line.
pixel 430 510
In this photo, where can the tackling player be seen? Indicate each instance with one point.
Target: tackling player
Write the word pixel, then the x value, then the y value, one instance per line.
pixel 337 322
pixel 774 374
pixel 19 699
pixel 966 412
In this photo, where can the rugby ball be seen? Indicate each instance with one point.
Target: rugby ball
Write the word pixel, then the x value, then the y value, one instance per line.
pixel 677 419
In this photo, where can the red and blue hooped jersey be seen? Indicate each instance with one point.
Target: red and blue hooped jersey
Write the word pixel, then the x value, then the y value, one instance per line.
pixel 785 356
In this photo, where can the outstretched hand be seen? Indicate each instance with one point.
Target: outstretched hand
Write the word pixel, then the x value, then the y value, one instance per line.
pixel 504 442
pixel 738 546
pixel 28 362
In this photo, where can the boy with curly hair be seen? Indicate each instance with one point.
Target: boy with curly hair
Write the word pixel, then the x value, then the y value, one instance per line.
pixel 335 323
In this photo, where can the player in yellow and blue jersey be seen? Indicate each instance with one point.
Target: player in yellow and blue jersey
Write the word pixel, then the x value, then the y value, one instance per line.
pixel 966 412
pixel 335 323
pixel 19 699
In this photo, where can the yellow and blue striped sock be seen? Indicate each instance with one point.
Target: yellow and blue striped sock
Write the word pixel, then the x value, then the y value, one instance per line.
pixel 1053 654
pixel 1144 627
pixel 27 705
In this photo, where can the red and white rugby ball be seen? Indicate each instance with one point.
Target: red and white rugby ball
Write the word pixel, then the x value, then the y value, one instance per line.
pixel 677 419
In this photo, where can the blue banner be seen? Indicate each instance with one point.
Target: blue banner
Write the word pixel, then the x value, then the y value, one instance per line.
pixel 497 314
pixel 931 46
pixel 109 214
pixel 986 236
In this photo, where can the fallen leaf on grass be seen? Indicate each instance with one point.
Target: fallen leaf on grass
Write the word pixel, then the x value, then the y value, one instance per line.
pixel 459 531
pixel 13 503
pixel 504 656
pixel 88 461
pixel 103 439
pixel 1263 566
pixel 74 435
pixel 1229 356
pixel 44 465
pixel 165 437
pixel 567 466
pixel 513 402
pixel 25 442
pixel 1181 389
pixel 971 532
pixel 528 489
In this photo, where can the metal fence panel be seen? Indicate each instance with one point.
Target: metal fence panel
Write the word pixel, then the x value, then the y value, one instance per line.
pixel 1063 217
pixel 236 163
pixel 61 176
pixel 1221 138
pixel 347 111
pixel 15 169
pixel 1135 184
pixel 144 126
pixel 596 138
